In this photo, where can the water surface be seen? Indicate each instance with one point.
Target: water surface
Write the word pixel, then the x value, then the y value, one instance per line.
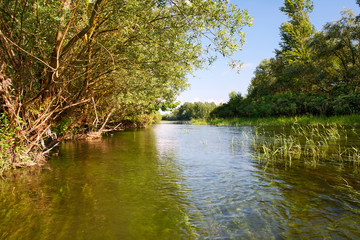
pixel 177 182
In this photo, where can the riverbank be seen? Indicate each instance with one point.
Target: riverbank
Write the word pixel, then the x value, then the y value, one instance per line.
pixel 343 120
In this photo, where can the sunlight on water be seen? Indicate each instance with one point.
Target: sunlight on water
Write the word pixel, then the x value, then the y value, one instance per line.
pixel 177 182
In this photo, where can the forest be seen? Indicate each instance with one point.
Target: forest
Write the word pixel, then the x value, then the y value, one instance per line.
pixel 79 68
pixel 312 73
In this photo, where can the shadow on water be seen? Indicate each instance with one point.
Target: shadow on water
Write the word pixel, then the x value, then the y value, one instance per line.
pixel 177 182
pixel 113 188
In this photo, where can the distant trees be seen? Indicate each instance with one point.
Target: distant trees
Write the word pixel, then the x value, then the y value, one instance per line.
pixel 313 72
pixel 188 111
pixel 289 104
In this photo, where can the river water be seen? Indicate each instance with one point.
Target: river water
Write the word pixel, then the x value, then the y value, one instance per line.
pixel 176 181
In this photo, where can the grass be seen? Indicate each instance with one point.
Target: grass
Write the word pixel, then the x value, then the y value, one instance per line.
pixel 309 144
pixel 343 120
pixel 308 140
pixel 294 141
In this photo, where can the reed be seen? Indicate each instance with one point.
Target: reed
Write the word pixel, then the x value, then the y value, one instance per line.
pixel 310 144
pixel 353 119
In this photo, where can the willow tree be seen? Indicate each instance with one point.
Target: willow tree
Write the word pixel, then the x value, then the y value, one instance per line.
pixel 77 64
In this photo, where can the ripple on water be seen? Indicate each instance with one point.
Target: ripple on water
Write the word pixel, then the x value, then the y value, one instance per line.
pixel 177 182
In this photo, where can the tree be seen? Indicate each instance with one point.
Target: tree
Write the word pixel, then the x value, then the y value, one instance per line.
pixel 313 73
pixel 264 80
pixel 297 30
pixel 89 65
pixel 289 69
pixel 188 111
pixel 294 52
pixel 336 51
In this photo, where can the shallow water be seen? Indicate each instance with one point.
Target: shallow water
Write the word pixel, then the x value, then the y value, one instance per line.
pixel 177 182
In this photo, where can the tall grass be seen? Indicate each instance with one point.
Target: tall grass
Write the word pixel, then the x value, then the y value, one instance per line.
pixel 310 144
pixel 344 120
pixel 306 139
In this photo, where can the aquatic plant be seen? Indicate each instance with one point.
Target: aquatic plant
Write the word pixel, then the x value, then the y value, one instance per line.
pixel 310 144
pixel 353 119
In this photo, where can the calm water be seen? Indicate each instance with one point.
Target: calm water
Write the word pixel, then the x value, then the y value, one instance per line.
pixel 177 182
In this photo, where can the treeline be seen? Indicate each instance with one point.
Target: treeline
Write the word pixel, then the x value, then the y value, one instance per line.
pixel 77 67
pixel 188 111
pixel 315 73
pixel 288 104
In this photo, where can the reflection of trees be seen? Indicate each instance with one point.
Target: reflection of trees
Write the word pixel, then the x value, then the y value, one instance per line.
pixel 23 203
pixel 113 188
pixel 134 186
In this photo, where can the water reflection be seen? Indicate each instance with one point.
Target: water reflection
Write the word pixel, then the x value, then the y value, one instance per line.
pixel 106 189
pixel 177 182
pixel 218 173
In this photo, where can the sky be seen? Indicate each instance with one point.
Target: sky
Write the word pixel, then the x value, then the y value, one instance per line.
pixel 216 82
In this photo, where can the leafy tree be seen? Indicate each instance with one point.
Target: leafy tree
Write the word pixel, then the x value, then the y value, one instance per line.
pixel 312 73
pixel 297 30
pixel 289 70
pixel 89 65
pixel 294 53
pixel 264 80
pixel 337 53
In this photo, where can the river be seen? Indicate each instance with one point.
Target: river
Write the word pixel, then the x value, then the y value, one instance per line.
pixel 174 181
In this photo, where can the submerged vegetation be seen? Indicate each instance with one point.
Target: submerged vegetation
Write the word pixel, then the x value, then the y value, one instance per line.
pixel 167 183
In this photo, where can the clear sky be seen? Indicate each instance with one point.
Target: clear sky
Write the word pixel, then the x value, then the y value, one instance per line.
pixel 215 83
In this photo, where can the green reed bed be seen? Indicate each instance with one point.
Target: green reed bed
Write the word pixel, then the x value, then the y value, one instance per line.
pixel 309 144
pixel 344 120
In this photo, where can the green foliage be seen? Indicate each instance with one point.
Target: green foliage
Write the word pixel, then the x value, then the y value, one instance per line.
pixel 353 119
pixel 13 150
pixel 188 111
pixel 92 65
pixel 295 32
pixel 129 56
pixel 6 141
pixel 309 145
pixel 64 127
pixel 336 52
pixel 289 104
pixel 316 74
pixel 142 120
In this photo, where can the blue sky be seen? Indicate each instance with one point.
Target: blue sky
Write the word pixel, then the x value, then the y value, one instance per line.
pixel 216 82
